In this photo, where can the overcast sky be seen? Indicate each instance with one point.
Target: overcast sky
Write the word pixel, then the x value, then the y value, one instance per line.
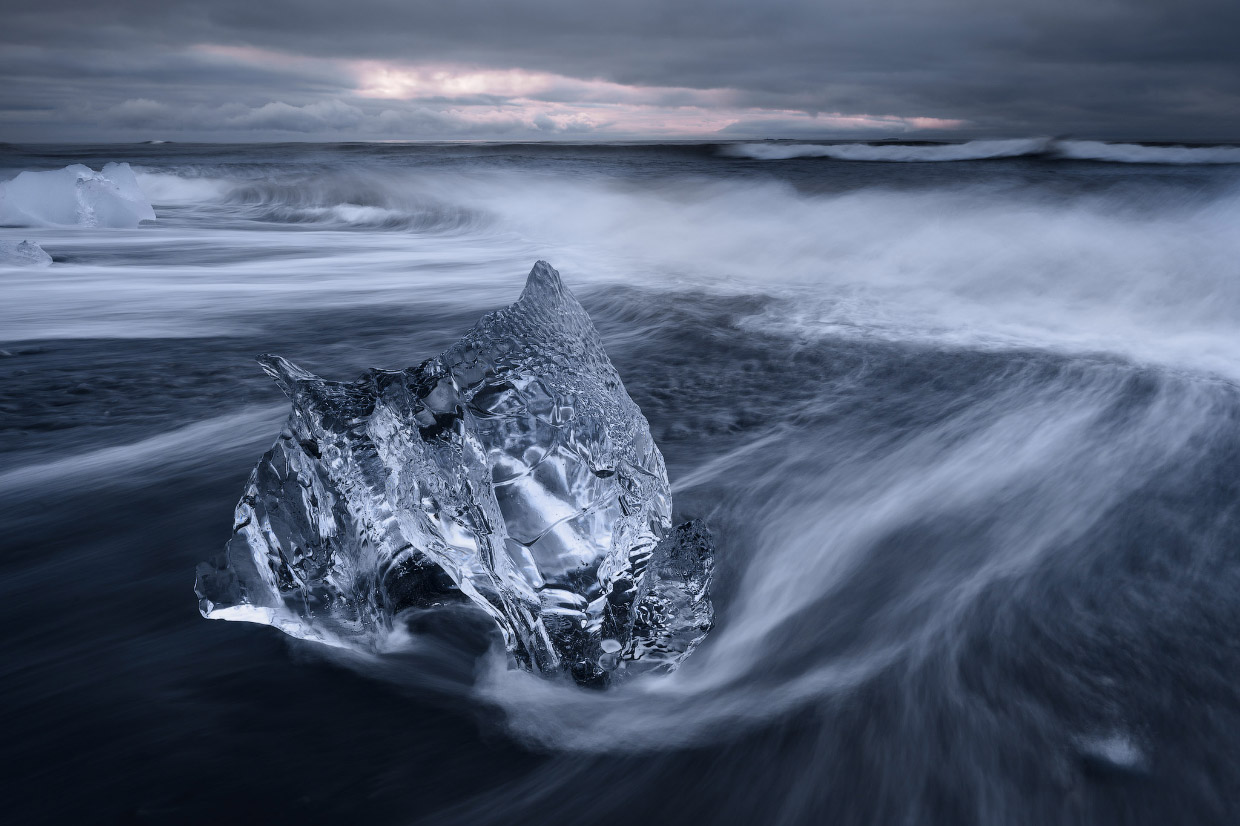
pixel 81 70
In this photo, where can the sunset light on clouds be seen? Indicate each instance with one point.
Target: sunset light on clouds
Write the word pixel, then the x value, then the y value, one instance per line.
pixel 555 70
pixel 574 104
pixel 394 100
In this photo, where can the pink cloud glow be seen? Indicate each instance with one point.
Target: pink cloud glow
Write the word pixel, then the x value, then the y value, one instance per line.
pixel 599 104
pixel 546 102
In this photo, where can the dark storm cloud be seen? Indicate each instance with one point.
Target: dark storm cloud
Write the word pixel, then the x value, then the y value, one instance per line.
pixel 73 69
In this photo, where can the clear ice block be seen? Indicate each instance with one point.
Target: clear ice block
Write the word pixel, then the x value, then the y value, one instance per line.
pixel 513 470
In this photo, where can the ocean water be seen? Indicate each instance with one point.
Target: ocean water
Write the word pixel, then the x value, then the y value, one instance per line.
pixel 965 421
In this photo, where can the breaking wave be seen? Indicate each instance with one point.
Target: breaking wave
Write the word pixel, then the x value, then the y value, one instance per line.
pixel 360 199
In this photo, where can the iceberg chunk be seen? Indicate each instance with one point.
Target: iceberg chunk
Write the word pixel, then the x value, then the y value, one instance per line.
pixel 513 470
pixel 75 196
pixel 23 254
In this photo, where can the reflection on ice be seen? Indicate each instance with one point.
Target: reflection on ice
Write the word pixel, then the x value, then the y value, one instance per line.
pixel 513 470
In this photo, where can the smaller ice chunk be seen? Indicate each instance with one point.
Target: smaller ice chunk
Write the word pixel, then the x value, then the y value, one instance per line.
pixel 23 254
pixel 75 196
pixel 672 611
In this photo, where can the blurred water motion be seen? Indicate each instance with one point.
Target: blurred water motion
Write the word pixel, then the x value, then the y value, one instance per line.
pixel 966 434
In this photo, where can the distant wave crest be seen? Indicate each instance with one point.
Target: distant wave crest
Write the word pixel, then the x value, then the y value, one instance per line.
pixel 892 153
pixel 986 149
pixel 1142 153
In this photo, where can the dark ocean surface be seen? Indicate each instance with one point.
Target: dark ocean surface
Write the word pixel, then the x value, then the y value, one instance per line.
pixel 967 434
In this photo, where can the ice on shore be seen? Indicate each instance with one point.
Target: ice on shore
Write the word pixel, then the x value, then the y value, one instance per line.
pixel 75 196
pixel 512 470
pixel 23 254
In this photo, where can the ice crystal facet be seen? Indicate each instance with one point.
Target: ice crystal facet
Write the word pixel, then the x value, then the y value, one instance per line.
pixel 513 469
